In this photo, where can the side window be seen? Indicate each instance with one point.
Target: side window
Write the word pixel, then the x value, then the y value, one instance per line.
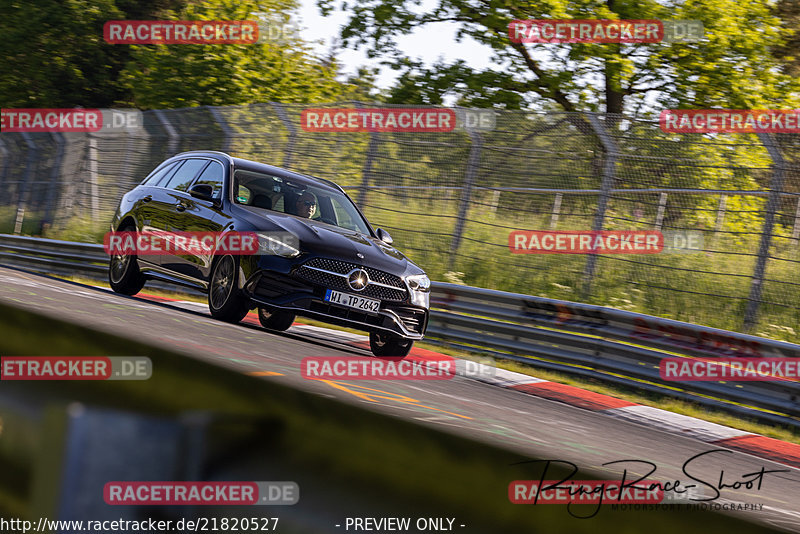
pixel 181 180
pixel 212 175
pixel 166 178
pixel 342 216
pixel 156 176
pixel 243 195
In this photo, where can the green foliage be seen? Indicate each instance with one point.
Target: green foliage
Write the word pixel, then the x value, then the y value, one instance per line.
pixel 362 86
pixel 169 76
pixel 52 54
pixel 733 66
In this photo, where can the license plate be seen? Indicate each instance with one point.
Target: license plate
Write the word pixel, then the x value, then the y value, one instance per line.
pixel 352 301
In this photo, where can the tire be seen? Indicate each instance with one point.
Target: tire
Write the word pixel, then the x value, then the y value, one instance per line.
pixel 276 320
pixel 225 300
pixel 124 276
pixel 389 345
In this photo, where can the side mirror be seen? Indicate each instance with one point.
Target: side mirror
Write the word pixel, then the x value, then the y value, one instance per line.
pixel 203 192
pixel 384 236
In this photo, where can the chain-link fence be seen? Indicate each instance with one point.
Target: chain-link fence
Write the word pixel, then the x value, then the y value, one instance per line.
pixel 451 199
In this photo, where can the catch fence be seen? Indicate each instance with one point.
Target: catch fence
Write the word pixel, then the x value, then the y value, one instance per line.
pixel 450 199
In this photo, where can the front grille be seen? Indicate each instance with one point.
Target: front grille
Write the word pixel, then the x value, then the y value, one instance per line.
pixel 343 267
pixel 396 293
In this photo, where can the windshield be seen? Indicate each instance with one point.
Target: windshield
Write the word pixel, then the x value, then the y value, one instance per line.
pixel 298 198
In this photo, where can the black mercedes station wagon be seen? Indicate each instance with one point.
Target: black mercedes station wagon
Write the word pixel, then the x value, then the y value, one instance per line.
pixel 337 268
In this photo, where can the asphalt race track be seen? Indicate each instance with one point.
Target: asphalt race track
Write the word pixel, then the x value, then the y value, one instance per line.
pixel 462 406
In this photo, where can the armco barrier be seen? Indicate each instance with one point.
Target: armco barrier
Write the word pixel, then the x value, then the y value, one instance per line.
pixel 605 343
pixel 571 336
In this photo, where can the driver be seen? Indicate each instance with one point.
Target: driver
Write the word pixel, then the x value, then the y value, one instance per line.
pixel 306 205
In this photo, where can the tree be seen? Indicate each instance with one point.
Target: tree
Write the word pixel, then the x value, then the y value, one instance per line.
pixel 52 54
pixel 280 70
pixel 362 86
pixel 789 53
pixel 732 67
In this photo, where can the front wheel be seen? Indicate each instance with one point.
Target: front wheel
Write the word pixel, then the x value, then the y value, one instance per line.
pixel 389 345
pixel 124 276
pixel 275 320
pixel 225 300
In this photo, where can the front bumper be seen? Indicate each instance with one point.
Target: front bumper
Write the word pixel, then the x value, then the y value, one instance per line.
pixel 303 297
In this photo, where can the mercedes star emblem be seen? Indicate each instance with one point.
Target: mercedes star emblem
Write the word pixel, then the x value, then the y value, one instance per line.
pixel 358 280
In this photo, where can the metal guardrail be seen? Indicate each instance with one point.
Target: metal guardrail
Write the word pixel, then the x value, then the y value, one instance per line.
pixel 612 345
pixel 50 255
pixel 605 343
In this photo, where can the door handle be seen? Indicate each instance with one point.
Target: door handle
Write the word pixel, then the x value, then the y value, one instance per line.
pixel 148 198
pixel 180 207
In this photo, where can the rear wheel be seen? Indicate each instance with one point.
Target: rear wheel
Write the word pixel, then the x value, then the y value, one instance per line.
pixel 389 345
pixel 275 320
pixel 225 300
pixel 123 271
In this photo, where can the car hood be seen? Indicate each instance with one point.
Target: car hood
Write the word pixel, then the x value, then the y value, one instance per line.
pixel 324 240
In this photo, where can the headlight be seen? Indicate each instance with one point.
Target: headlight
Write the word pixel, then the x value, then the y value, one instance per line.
pixel 419 282
pixel 282 244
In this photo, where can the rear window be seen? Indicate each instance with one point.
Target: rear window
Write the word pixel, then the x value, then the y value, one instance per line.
pixel 182 179
pixel 154 177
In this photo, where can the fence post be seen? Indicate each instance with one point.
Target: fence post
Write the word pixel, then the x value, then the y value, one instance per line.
pixel 776 188
pixel 6 163
pixel 466 194
pixel 366 174
pixel 281 112
pixel 556 211
pixel 609 168
pixel 93 178
pixel 723 202
pixel 55 185
pixel 223 124
pixel 495 200
pixel 22 191
pixel 662 206
pixel 172 144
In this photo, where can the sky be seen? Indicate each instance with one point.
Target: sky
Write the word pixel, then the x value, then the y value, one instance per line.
pixel 429 44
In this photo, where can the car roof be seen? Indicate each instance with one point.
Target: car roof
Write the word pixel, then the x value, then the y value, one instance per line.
pixel 249 165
